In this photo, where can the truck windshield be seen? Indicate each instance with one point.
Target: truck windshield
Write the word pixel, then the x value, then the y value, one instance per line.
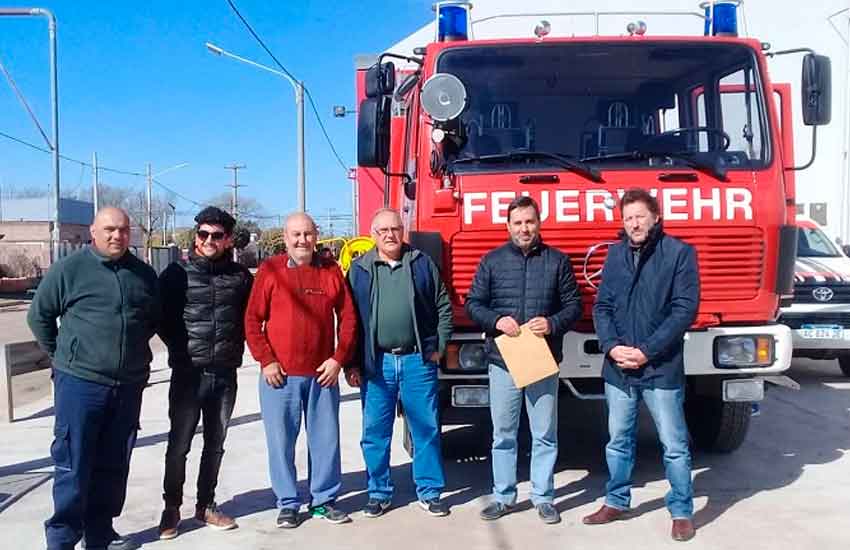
pixel 615 105
pixel 813 243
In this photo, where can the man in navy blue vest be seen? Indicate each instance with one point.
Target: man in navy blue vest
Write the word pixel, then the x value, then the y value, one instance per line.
pixel 648 298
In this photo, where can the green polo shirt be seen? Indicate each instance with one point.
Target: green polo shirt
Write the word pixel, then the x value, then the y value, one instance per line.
pixel 395 318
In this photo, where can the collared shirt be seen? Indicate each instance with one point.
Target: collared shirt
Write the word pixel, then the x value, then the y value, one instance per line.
pixel 394 316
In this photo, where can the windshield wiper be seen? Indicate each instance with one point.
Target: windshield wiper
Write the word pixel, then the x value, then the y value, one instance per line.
pixel 714 169
pixel 570 163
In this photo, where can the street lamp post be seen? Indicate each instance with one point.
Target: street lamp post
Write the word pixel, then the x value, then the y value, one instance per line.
pixel 298 88
pixel 54 99
pixel 150 178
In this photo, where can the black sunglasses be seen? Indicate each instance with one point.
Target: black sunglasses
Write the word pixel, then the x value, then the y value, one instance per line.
pixel 216 235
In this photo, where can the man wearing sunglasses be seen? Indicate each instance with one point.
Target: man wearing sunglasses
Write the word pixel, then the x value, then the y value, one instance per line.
pixel 203 327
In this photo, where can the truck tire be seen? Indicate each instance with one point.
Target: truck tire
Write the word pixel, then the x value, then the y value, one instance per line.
pixel 844 364
pixel 717 426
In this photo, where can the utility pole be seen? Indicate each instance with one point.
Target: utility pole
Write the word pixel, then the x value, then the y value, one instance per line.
pixel 234 199
pixel 150 216
pixel 173 223
pixel 94 181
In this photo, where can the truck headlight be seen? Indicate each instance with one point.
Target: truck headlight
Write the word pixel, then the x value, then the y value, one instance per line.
pixel 472 356
pixel 743 351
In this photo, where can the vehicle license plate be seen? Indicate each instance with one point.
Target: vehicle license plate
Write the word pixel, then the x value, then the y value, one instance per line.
pixel 822 332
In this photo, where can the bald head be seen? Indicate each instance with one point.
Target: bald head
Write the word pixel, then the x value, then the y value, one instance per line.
pixel 110 232
pixel 300 235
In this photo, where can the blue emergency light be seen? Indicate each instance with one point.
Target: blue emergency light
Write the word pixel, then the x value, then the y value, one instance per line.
pixel 722 20
pixel 452 21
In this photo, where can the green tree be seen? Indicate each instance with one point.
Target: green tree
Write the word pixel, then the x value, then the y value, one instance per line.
pixel 271 241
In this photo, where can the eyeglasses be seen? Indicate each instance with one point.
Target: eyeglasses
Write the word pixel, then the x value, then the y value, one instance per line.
pixel 216 235
pixel 384 231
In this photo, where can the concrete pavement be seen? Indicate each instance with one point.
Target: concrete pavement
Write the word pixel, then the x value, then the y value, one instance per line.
pixel 787 487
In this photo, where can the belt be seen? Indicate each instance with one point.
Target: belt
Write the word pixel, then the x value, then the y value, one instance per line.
pixel 402 350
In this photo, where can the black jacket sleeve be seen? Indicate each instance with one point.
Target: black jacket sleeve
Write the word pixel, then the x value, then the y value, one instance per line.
pixel 172 288
pixel 603 310
pixel 478 300
pixel 570 300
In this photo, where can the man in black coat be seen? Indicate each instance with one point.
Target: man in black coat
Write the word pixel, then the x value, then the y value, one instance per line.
pixel 524 281
pixel 203 327
pixel 648 298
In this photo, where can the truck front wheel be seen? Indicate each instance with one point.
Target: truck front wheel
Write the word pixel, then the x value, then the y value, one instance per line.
pixel 844 364
pixel 716 425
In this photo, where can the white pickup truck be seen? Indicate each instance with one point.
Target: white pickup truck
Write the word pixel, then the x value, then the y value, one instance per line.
pixel 819 316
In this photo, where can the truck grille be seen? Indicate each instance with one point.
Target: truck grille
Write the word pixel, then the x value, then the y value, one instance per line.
pixel 730 259
pixel 803 293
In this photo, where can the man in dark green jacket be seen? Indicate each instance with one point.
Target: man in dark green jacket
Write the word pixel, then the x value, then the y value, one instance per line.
pixel 107 302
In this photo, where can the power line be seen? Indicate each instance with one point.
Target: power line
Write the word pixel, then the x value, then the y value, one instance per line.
pixel 325 132
pixel 69 159
pixel 284 69
pixel 176 194
pixel 258 39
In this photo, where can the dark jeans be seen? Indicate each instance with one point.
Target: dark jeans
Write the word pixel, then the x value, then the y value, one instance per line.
pixel 94 435
pixel 191 394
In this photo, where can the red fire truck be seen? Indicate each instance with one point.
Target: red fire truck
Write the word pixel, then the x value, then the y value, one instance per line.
pixel 574 121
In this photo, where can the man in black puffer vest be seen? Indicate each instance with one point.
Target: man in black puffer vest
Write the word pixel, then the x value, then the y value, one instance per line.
pixel 524 281
pixel 203 327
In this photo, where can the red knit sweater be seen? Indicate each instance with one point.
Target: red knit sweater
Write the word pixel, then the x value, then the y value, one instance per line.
pixel 290 316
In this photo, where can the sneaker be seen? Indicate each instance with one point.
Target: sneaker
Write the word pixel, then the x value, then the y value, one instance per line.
pixel 548 513
pixel 435 507
pixel 328 512
pixel 287 518
pixel 169 522
pixel 494 511
pixel 376 508
pixel 117 543
pixel 210 515
pixel 755 409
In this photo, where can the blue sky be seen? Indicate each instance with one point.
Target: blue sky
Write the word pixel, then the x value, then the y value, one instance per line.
pixel 137 85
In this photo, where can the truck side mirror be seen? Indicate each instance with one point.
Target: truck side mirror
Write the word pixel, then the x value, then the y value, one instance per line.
pixel 817 90
pixel 373 132
pixel 380 80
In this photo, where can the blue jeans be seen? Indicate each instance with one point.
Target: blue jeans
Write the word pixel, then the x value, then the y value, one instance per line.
pixel 94 435
pixel 541 402
pixel 282 409
pixel 666 408
pixel 414 381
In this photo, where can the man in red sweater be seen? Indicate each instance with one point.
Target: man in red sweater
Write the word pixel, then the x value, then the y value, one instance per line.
pixel 289 327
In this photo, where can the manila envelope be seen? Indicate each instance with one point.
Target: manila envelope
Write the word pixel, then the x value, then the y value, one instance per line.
pixel 527 357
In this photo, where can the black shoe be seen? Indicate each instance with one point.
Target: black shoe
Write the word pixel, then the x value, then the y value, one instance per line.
pixel 376 508
pixel 548 513
pixel 494 511
pixel 117 543
pixel 330 513
pixel 435 507
pixel 287 518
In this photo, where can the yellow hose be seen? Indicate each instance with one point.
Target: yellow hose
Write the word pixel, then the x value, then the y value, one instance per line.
pixel 352 249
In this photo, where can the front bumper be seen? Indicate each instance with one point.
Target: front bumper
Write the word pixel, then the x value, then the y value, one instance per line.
pixel 803 339
pixel 582 358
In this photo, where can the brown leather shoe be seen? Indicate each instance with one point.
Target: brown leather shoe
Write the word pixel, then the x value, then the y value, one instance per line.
pixel 606 514
pixel 169 522
pixel 213 518
pixel 683 529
